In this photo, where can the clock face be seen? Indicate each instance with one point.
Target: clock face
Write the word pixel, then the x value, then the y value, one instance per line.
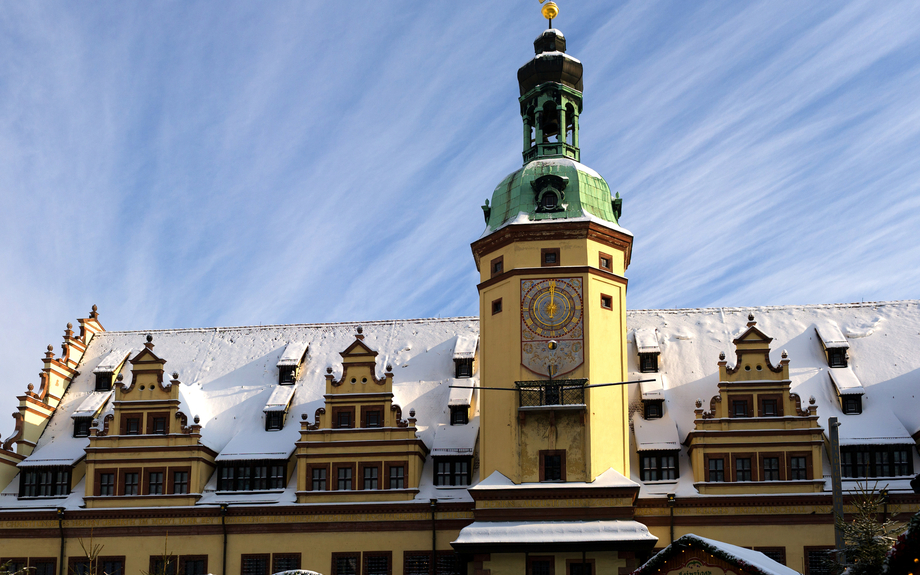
pixel 551 308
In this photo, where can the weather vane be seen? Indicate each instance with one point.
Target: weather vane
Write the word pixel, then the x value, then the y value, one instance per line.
pixel 550 11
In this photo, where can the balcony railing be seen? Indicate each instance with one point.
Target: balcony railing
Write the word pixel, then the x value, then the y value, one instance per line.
pixel 551 393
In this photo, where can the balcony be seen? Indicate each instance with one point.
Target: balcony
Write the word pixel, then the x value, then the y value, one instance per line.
pixel 558 393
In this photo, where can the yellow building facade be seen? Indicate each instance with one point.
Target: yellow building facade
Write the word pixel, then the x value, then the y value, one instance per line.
pixel 555 434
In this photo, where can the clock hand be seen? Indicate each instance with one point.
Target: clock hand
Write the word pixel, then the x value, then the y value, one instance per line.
pixel 551 308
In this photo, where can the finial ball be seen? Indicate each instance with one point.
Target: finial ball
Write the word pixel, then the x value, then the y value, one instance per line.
pixel 149 338
pixel 550 10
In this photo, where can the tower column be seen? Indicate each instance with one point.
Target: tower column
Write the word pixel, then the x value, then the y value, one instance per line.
pixel 575 130
pixel 562 124
pixel 527 144
pixel 538 120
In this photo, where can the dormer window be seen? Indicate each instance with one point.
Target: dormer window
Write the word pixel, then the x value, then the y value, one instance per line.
pixel 274 420
pixel 463 368
pixel 852 404
pixel 653 409
pixel 459 414
pixel 104 381
pixel 550 201
pixel 81 426
pixel 648 362
pixel 287 374
pixel 837 357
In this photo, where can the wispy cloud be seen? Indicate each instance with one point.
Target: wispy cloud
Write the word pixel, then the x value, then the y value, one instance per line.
pixel 188 164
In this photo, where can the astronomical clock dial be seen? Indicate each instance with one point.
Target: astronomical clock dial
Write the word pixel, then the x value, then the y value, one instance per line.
pixel 552 309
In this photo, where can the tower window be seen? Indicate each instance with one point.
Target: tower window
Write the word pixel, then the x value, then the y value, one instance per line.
pixel 549 257
pixel 498 266
pixel 552 465
pixel 550 200
pixel 606 301
pixel 496 306
pixel 648 362
pixel 605 262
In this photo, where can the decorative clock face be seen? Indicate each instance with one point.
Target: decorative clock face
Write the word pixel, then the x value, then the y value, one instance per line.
pixel 552 309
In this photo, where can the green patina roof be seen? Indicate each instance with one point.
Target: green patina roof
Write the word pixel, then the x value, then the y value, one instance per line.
pixel 586 193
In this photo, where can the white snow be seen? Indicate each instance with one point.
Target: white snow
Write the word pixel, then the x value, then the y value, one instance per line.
pixel 466 345
pixel 655 434
pixel 651 385
pixel 455 439
pixel 647 340
pixel 845 381
pixel 280 398
pixel 749 556
pixel 556 54
pixel 511 532
pixel 830 334
pixel 93 403
pixel 461 393
pixel 609 478
pixel 65 451
pixel 293 353
pixel 111 361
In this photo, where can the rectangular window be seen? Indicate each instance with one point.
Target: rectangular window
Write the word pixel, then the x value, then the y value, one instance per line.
pixel 459 414
pixel 132 426
pixel 659 466
pixel 318 478
pixel 377 563
pixel 343 417
pixel 43 566
pixel 771 468
pixel 819 561
pixel 79 566
pixel 716 470
pixel 226 481
pixel 286 374
pixel 837 357
pixel 106 484
pixel 180 482
pixel 743 469
pixel 798 468
pixel 653 409
pixel 463 368
pixel 852 404
pixel 416 563
pixel 285 562
pixel 549 257
pixel 243 478
pixel 648 362
pixel 397 477
pixel 901 462
pixel 81 426
pixel 370 475
pixel 497 266
pixel 260 477
pixel 447 563
pixel 250 475
pixel 104 381
pixel 739 408
pixel 876 461
pixel 496 306
pixel 552 465
pixel 343 478
pixel 15 566
pixel 649 468
pixel 277 476
pixel 193 565
pixel 452 471
pixel 606 301
pixel 61 482
pixel 160 565
pixel 255 564
pixel 541 565
pixel 768 408
pixel 155 483
pixel 274 420
pixel 345 563
pixel 130 486
pixel 576 567
pixel 159 426
pixel 605 262
pixel 111 566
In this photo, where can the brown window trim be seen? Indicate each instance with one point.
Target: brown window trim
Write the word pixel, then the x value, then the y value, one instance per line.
pixel 386 470
pixel 244 556
pixel 600 262
pixel 118 558
pixel 764 550
pixel 808 548
pixel 73 561
pixel 151 416
pixel 153 565
pixel 545 251
pixel 726 470
pixel 35 560
pixel 185 558
pixel 335 416
pixel 124 417
pixel 364 465
pixel 775 396
pixel 744 455
pixel 500 260
pixel 334 485
pixel 570 562
pixel 496 306
pixel 276 556
pixel 749 398
pixel 171 480
pixel 357 556
pixel 809 475
pixel 531 559
pixel 761 472
pixel 387 554
pixel 97 485
pixel 146 479
pixel 366 408
pixel 120 480
pixel 543 454
pixel 310 468
pixel 23 560
pixel 609 300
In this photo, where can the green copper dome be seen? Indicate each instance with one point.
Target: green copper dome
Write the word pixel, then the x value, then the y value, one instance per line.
pixel 551 189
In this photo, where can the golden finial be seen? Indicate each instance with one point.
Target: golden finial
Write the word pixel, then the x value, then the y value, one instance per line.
pixel 550 10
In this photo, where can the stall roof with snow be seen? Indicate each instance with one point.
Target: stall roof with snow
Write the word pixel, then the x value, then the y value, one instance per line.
pixel 694 554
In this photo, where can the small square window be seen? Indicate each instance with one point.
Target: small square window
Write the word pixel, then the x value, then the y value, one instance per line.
pixel 274 420
pixel 287 374
pixel 648 362
pixel 837 357
pixel 498 266
pixel 552 465
pixel 463 368
pixel 852 404
pixel 372 418
pixel 81 426
pixel 104 381
pixel 606 301
pixel 496 306
pixel 652 409
pixel 739 408
pixel 605 262
pixel 459 414
pixel 769 408
pixel 159 426
pixel 344 419
pixel 549 257
pixel 133 426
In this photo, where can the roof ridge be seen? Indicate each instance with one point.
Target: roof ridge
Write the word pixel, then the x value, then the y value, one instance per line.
pixel 777 307
pixel 381 322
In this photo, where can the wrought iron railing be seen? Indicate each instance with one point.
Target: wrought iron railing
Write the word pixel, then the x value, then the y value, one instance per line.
pixel 555 392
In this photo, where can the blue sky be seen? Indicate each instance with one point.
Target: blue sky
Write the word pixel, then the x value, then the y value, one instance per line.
pixel 188 164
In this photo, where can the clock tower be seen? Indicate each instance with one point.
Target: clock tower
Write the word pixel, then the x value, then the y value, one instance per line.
pixel 552 296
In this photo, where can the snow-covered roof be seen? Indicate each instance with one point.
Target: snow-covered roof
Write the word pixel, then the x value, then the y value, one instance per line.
pixel 647 340
pixel 461 392
pixel 111 361
pixel 550 532
pixel 280 398
pixel 293 353
pixel 466 346
pixel 846 381
pixel 92 404
pixel 730 553
pixel 876 425
pixel 655 434
pixel 650 385
pixel 66 451
pixel 830 335
pixel 456 439
pixel 609 478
